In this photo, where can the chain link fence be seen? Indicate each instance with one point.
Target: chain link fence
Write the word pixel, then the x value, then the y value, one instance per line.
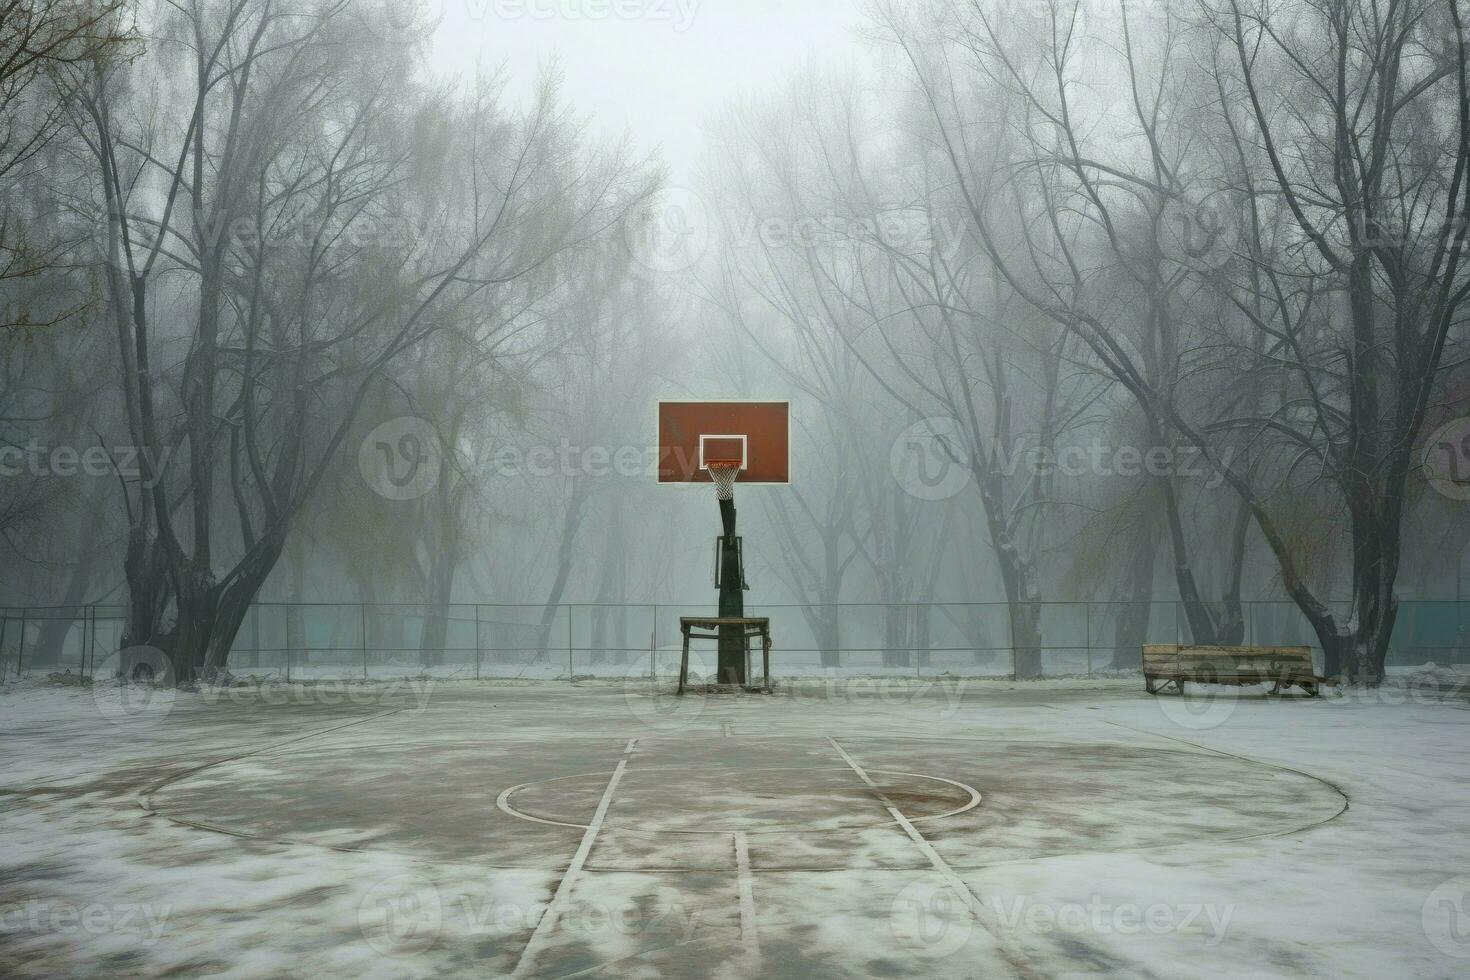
pixel 537 641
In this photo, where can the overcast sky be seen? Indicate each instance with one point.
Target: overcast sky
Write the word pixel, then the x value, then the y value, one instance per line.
pixel 662 69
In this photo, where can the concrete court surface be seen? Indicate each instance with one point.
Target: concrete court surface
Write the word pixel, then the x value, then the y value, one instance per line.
pixel 844 828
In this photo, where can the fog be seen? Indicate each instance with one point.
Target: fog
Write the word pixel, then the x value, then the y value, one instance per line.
pixel 1121 323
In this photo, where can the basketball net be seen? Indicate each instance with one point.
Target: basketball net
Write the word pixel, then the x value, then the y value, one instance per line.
pixel 723 475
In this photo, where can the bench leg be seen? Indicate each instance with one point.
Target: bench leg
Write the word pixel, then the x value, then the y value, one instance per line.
pixel 1148 685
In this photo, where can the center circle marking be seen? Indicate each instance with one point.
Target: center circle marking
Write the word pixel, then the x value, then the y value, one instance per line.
pixel 503 801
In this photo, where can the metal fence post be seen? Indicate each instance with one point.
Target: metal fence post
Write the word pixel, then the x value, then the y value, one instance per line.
pixel 653 648
pixel 1087 624
pixel 477 641
pixel 92 647
pixel 571 668
pixel 20 646
pixel 1011 633
pixel 911 637
pixel 362 636
pixel 88 626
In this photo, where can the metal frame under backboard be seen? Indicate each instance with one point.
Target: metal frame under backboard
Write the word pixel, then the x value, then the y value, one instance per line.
pixel 790 455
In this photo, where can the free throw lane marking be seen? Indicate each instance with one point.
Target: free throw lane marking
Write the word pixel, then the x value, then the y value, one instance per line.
pixel 547 925
pixel 748 934
pixel 955 882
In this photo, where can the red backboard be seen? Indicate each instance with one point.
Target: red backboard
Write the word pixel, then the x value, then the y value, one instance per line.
pixel 693 434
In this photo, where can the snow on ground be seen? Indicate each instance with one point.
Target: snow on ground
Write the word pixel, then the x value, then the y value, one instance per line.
pixel 842 826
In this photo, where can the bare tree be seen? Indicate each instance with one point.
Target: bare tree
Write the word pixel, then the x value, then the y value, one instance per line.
pixel 320 239
pixel 1359 327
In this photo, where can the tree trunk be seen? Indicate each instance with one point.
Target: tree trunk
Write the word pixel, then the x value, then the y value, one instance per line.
pixel 51 640
pixel 571 522
pixel 895 635
pixel 1023 599
pixel 436 614
pixel 1130 629
pixel 1026 639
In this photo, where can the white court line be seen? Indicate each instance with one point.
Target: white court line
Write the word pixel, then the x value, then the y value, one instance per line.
pixel 748 934
pixel 955 882
pixel 547 925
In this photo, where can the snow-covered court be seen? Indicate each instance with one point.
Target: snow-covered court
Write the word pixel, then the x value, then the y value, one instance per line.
pixel 843 827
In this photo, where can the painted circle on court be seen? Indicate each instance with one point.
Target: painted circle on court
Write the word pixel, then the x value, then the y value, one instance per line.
pixel 917 798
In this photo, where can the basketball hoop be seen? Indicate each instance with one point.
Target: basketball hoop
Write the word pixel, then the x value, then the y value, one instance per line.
pixel 723 474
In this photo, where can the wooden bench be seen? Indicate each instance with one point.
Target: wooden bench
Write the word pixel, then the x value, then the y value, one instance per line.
pixel 1281 666
pixel 749 626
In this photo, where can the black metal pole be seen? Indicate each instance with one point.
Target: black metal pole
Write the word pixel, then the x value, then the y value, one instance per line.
pixel 731 664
